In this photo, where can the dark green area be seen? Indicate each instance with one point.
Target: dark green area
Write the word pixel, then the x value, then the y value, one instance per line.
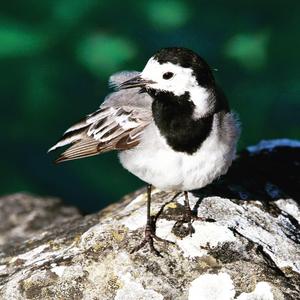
pixel 56 56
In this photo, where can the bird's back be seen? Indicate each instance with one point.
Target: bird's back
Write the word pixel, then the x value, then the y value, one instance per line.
pixel 126 97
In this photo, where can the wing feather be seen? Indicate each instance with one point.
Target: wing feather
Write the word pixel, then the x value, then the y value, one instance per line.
pixel 84 148
pixel 109 128
pixel 114 126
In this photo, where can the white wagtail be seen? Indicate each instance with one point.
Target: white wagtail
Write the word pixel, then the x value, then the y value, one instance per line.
pixel 170 123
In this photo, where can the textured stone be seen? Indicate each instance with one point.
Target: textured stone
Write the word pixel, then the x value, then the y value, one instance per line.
pixel 23 216
pixel 248 247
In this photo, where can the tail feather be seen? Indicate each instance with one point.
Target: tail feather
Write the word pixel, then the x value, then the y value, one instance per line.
pixel 84 148
pixel 69 138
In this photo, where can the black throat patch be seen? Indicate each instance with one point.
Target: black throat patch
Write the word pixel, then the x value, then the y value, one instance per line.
pixel 173 116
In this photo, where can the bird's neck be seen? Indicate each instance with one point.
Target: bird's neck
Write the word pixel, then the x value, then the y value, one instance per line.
pixel 174 117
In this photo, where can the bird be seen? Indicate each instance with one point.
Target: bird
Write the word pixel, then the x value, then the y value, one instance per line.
pixel 170 123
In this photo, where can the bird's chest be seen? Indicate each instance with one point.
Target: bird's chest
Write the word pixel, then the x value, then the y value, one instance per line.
pixel 155 162
pixel 174 118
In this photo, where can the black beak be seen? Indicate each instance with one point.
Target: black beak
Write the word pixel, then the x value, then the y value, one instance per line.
pixel 134 83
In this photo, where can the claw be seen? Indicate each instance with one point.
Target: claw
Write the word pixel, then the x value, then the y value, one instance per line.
pixel 189 216
pixel 150 230
pixel 148 239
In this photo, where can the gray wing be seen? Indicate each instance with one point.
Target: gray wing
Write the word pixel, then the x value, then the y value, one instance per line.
pixel 132 97
pixel 116 125
pixel 117 78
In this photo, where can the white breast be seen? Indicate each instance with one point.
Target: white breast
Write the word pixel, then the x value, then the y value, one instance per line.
pixel 156 163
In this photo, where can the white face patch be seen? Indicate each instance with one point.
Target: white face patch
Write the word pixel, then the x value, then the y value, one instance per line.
pixel 181 82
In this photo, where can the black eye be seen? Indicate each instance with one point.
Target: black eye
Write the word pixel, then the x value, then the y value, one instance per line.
pixel 168 75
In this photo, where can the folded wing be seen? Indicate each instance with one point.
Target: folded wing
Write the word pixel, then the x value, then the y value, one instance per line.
pixel 109 128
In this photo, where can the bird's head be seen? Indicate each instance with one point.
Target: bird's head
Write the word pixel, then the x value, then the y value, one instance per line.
pixel 176 71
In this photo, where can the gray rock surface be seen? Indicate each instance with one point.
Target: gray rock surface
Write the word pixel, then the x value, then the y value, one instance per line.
pixel 249 247
pixel 23 216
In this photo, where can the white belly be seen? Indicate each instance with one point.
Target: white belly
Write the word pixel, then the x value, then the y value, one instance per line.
pixel 156 163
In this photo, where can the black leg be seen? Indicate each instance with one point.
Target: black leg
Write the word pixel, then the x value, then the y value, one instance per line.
pixel 150 229
pixel 189 215
pixel 149 188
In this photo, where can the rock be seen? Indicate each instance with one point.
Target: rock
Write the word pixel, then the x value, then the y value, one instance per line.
pixel 249 247
pixel 23 216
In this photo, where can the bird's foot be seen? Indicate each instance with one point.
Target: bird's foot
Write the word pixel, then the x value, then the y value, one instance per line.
pixel 149 238
pixel 189 218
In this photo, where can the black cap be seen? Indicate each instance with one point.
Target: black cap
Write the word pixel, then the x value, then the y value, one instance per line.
pixel 187 58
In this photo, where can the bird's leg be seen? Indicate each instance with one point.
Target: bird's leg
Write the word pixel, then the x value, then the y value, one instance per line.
pixel 188 213
pixel 189 216
pixel 150 229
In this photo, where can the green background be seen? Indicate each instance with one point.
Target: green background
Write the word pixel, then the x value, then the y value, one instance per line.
pixel 56 56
